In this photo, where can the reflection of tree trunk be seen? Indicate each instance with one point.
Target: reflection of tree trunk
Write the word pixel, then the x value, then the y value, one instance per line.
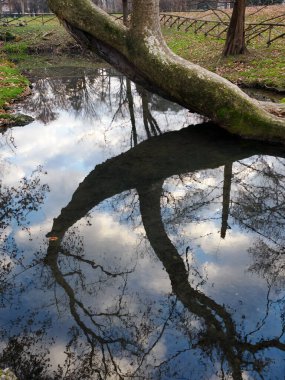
pixel 228 171
pixel 150 124
pixel 132 113
pixel 195 301
pixel 145 112
pixel 145 167
pixel 194 148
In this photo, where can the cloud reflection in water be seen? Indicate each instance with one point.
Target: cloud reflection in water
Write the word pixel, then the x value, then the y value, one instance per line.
pixel 135 279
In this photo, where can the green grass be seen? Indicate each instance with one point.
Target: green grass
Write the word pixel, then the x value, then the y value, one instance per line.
pixel 20 47
pixel 32 38
pixel 12 83
pixel 263 66
pixel 35 36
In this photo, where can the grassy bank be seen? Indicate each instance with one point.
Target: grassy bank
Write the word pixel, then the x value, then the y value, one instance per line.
pixel 262 67
pixel 13 85
pixel 38 41
pixel 35 45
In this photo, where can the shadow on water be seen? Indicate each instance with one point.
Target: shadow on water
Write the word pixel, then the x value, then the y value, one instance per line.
pixel 121 308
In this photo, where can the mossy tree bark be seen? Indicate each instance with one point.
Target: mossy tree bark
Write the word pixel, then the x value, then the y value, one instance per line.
pixel 141 53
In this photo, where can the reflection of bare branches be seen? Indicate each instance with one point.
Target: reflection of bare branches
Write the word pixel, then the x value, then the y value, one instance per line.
pixel 268 262
pixel 17 203
pixel 134 136
pixel 93 264
pixel 159 336
pixel 150 124
pixel 217 327
pixel 259 201
pixel 99 326
pixel 7 139
pixel 81 94
pixel 197 303
pixel 92 335
pixel 27 352
pixel 221 328
pixel 261 323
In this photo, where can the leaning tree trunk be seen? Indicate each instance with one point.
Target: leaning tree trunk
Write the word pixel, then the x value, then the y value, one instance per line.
pixel 140 52
pixel 235 41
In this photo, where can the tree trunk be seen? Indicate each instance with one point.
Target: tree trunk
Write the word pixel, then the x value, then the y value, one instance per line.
pixel 140 52
pixel 22 6
pixel 235 42
pixel 10 6
pixel 125 12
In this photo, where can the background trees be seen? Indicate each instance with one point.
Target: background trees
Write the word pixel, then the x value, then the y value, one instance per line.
pixel 117 5
pixel 23 6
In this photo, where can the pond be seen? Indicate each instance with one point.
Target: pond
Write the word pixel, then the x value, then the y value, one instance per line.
pixel 138 241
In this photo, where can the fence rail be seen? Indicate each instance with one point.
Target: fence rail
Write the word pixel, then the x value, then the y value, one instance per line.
pixel 16 19
pixel 268 31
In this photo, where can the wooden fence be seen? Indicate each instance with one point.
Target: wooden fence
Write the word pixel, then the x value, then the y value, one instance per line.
pixel 268 31
pixel 16 19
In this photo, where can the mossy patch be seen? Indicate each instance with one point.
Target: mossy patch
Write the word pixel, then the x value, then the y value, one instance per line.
pixel 12 83
pixel 11 120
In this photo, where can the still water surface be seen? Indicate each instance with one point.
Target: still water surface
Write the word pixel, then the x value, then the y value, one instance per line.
pixel 137 242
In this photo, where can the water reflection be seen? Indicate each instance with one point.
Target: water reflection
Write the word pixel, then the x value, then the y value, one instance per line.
pixel 91 93
pixel 216 329
pixel 167 262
